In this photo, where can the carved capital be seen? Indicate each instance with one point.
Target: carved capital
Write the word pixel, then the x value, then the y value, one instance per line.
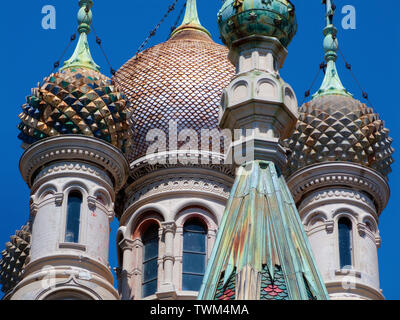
pixel 168 226
pixel 126 244
pixel 91 203
pixel 59 198
pixel 34 209
pixel 378 241
pixel 329 226
pixel 362 229
pixel 168 257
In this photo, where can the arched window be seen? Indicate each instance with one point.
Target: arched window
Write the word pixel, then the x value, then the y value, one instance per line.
pixel 150 257
pixel 194 254
pixel 73 217
pixel 345 247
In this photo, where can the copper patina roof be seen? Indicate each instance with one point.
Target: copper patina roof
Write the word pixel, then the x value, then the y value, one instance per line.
pixel 181 79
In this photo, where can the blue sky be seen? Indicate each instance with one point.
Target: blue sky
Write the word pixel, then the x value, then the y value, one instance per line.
pixel 28 53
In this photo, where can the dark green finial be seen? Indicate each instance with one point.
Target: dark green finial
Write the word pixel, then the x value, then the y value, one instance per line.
pixel 191 19
pixel 331 84
pixel 81 57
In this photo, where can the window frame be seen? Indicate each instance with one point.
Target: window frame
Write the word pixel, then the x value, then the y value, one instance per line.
pixel 79 229
pixel 144 262
pixel 350 228
pixel 201 222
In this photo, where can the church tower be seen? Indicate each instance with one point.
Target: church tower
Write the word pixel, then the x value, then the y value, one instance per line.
pixel 75 128
pixel 340 158
pixel 174 202
pixel 261 251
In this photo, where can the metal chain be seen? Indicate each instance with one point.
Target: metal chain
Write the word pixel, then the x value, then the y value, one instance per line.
pixel 57 63
pixel 179 18
pixel 322 66
pixel 154 31
pixel 348 67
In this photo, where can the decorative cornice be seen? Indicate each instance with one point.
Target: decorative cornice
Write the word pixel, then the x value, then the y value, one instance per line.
pixel 342 174
pixel 176 183
pixel 155 162
pixel 74 147
pixel 316 198
pixel 73 167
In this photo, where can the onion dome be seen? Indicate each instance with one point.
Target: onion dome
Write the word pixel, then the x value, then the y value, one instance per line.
pixel 78 99
pixel 334 126
pixel 181 80
pixel 14 258
pixel 238 19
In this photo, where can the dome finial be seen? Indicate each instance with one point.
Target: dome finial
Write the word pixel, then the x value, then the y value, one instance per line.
pixel 331 84
pixel 81 57
pixel 191 20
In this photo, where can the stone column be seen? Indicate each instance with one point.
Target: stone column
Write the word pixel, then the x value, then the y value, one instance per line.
pixel 167 285
pixel 126 246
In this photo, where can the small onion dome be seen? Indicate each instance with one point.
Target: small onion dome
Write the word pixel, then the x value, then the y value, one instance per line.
pixel 238 19
pixel 339 128
pixel 14 258
pixel 77 101
pixel 334 126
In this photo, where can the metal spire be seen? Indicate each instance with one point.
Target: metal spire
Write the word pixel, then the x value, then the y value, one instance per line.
pixel 81 57
pixel 191 20
pixel 331 84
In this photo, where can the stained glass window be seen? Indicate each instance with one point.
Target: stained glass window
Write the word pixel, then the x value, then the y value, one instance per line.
pixel 73 217
pixel 150 263
pixel 194 255
pixel 345 248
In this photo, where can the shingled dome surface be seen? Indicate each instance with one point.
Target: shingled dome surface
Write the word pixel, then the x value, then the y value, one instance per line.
pixel 180 80
pixel 339 128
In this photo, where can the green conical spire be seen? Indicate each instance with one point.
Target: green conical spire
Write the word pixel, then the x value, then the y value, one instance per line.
pixel 331 84
pixel 191 20
pixel 81 57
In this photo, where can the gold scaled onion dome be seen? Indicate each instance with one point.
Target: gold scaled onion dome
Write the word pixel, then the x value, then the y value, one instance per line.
pixel 181 80
pixel 339 128
pixel 334 126
pixel 14 258
pixel 78 99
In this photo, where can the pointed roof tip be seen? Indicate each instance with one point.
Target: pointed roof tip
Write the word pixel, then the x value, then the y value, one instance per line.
pixel 191 20
pixel 332 84
pixel 82 58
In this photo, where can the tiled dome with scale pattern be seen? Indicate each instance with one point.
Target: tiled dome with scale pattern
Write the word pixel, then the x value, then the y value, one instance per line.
pixel 14 258
pixel 77 101
pixel 339 128
pixel 181 80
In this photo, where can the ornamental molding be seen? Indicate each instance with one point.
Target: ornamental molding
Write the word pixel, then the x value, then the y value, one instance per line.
pixel 78 148
pixel 202 159
pixel 178 182
pixel 337 195
pixel 340 174
pixel 72 168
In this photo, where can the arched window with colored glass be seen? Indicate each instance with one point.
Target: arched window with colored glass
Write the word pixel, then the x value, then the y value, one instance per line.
pixel 73 217
pixel 345 242
pixel 194 254
pixel 150 260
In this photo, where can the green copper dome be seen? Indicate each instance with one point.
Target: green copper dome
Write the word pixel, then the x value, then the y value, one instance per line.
pixel 238 19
